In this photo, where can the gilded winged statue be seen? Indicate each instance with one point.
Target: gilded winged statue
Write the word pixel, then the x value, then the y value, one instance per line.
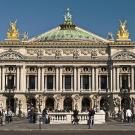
pixel 12 32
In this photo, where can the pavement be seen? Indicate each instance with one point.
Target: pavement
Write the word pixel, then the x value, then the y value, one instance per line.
pixel 23 125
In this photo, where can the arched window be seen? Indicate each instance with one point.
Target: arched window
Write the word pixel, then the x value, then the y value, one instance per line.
pixel 68 104
pixel 85 104
pixel 50 103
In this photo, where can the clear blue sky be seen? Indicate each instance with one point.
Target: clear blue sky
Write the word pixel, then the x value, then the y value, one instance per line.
pixel 38 16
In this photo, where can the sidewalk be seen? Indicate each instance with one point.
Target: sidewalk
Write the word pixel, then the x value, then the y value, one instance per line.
pixel 23 125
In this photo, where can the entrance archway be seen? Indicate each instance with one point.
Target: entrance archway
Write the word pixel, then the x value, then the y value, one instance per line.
pixel 50 104
pixel 85 104
pixel 125 103
pixel 10 103
pixel 104 104
pixel 31 103
pixel 68 104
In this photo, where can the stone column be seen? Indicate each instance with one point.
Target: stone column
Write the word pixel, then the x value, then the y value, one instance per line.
pixel 89 82
pixel 81 82
pixel 72 80
pixel 45 82
pixel 36 82
pixel 0 79
pixel 132 78
pixel 38 79
pixel 63 80
pixel 60 83
pixel 3 78
pixel 93 79
pixel 78 82
pixel 23 78
pixel 57 77
pixel 114 79
pixel 42 79
pixel 18 79
pixel 129 82
pixel 118 79
pixel 110 80
pixel 54 82
pixel 75 79
pixel 97 80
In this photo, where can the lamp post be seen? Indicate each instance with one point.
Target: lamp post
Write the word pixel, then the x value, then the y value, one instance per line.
pixel 20 105
pixel 28 100
pixel 125 96
pixel 9 88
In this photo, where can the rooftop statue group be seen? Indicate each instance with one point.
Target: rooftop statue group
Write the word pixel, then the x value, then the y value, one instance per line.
pixel 123 32
pixel 13 33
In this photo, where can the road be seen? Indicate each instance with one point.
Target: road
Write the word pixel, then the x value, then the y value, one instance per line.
pixel 84 132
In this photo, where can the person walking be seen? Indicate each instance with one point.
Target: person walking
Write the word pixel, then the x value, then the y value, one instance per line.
pixel 129 115
pixel 75 117
pixel 122 115
pixel 91 117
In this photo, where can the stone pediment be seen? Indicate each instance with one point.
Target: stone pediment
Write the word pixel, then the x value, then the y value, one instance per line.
pixel 11 55
pixel 124 55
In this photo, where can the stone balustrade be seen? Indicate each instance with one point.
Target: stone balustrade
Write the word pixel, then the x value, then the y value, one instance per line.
pixel 66 118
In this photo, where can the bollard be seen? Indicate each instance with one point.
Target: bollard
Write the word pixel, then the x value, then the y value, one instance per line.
pixel 40 122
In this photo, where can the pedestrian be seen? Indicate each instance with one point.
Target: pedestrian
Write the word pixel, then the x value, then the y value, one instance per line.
pixel 75 117
pixel 91 114
pixel 129 115
pixel 122 115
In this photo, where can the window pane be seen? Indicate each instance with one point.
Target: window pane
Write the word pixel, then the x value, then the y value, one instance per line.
pixel 103 81
pixel 10 83
pixel 67 81
pixel 32 81
pixel 85 82
pixel 50 82
pixel 124 81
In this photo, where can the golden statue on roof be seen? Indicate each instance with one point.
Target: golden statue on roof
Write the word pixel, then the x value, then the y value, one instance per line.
pixel 123 33
pixel 13 33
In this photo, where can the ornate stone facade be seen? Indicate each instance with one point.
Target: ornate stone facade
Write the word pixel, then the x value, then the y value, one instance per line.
pixel 67 73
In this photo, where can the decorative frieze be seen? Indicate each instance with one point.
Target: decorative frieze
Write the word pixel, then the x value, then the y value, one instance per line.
pixel 102 51
pixel 67 70
pixel 76 53
pixel 94 53
pixel 124 56
pixel 31 70
pixel 85 51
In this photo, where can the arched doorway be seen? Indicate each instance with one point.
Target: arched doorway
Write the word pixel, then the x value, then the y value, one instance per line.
pixel 10 103
pixel 125 103
pixel 68 104
pixel 104 104
pixel 50 103
pixel 31 103
pixel 85 104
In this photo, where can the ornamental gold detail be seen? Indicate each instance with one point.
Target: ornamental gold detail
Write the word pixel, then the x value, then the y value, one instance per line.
pixel 13 33
pixel 123 33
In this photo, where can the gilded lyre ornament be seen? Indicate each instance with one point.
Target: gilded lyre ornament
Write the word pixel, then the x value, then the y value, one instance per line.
pixel 123 33
pixel 12 33
pixel 68 17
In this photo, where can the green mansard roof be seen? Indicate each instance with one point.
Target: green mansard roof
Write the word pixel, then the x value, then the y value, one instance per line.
pixel 68 32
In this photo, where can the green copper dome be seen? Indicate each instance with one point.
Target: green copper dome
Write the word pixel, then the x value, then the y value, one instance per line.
pixel 68 32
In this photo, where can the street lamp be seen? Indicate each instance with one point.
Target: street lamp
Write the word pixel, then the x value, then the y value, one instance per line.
pixel 125 96
pixel 10 89
pixel 29 104
pixel 19 105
